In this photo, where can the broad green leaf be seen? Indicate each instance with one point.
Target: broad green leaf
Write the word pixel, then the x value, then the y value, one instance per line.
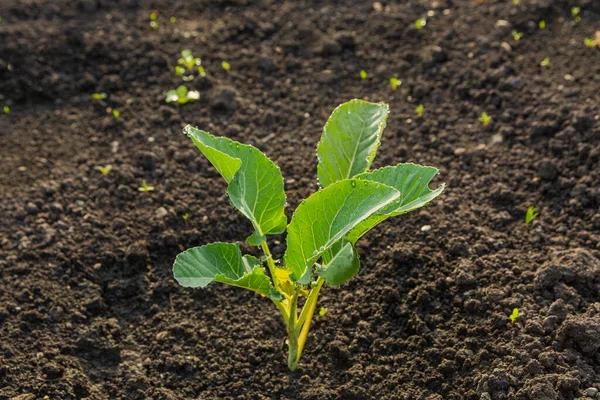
pixel 255 182
pixel 327 216
pixel 221 262
pixel 350 140
pixel 411 180
pixel 343 266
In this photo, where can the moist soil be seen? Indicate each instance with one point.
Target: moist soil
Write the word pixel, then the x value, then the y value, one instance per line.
pixel 88 305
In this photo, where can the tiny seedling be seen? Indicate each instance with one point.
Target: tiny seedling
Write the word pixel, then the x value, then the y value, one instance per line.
pixel 185 216
pixel 363 74
pixel 325 227
pixel 420 23
pixel 322 311
pixel 419 110
pixel 485 119
pixel 182 95
pixel 531 214
pixel 225 65
pixel 6 109
pixel 173 20
pixel 589 42
pixel 116 113
pixel 104 170
pixel 395 82
pixel 516 35
pixel 188 60
pixel 514 315
pixel 201 71
pixel 153 18
pixel 145 187
pixel 99 96
pixel 179 70
pixel 575 14
pixel 545 62
pixel 515 2
pixel 542 24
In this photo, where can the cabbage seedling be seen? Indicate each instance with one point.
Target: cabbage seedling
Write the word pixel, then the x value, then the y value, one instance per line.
pixel 6 109
pixel 514 315
pixel 575 13
pixel 542 24
pixel 99 96
pixel 145 187
pixel 516 35
pixel 531 214
pixel 485 119
pixel 419 110
pixel 420 23
pixel 545 62
pixel 104 170
pixel 188 60
pixel 182 95
pixel 225 65
pixel 363 74
pixel 589 42
pixel 173 20
pixel 325 227
pixel 116 113
pixel 394 83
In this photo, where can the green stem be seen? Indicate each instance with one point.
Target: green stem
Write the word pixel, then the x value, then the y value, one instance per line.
pixel 270 263
pixel 311 304
pixel 293 354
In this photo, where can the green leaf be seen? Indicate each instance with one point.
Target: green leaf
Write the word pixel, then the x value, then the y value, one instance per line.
pixel 343 266
pixel 327 216
pixel 350 140
pixel 411 180
pixel 221 262
pixel 255 182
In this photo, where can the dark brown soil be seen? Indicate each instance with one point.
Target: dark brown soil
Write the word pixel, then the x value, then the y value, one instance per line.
pixel 88 305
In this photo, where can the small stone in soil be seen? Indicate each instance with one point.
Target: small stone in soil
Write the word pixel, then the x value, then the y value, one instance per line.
pixel 591 392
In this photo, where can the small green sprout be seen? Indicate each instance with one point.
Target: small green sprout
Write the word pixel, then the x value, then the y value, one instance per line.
pixel 363 74
pixel 145 187
pixel 104 170
pixel 225 65
pixel 419 110
pixel 154 24
pixel 545 62
pixel 185 216
pixel 99 96
pixel 6 109
pixel 173 20
pixel 201 71
pixel 485 119
pixel 179 70
pixel 542 24
pixel 322 311
pixel 395 82
pixel 420 23
pixel 575 13
pixel 531 214
pixel 188 60
pixel 153 16
pixel 515 2
pixel 515 314
pixel 181 95
pixel 516 35
pixel 323 230
pixel 589 42
pixel 116 113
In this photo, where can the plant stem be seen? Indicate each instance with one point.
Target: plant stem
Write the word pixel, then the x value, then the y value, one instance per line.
pixel 270 263
pixel 293 354
pixel 311 304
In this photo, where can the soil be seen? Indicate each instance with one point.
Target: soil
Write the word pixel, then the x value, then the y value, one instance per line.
pixel 88 305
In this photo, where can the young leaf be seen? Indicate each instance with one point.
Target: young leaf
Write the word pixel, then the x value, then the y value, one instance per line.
pixel 343 266
pixel 255 182
pixel 221 262
pixel 411 180
pixel 327 216
pixel 350 140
